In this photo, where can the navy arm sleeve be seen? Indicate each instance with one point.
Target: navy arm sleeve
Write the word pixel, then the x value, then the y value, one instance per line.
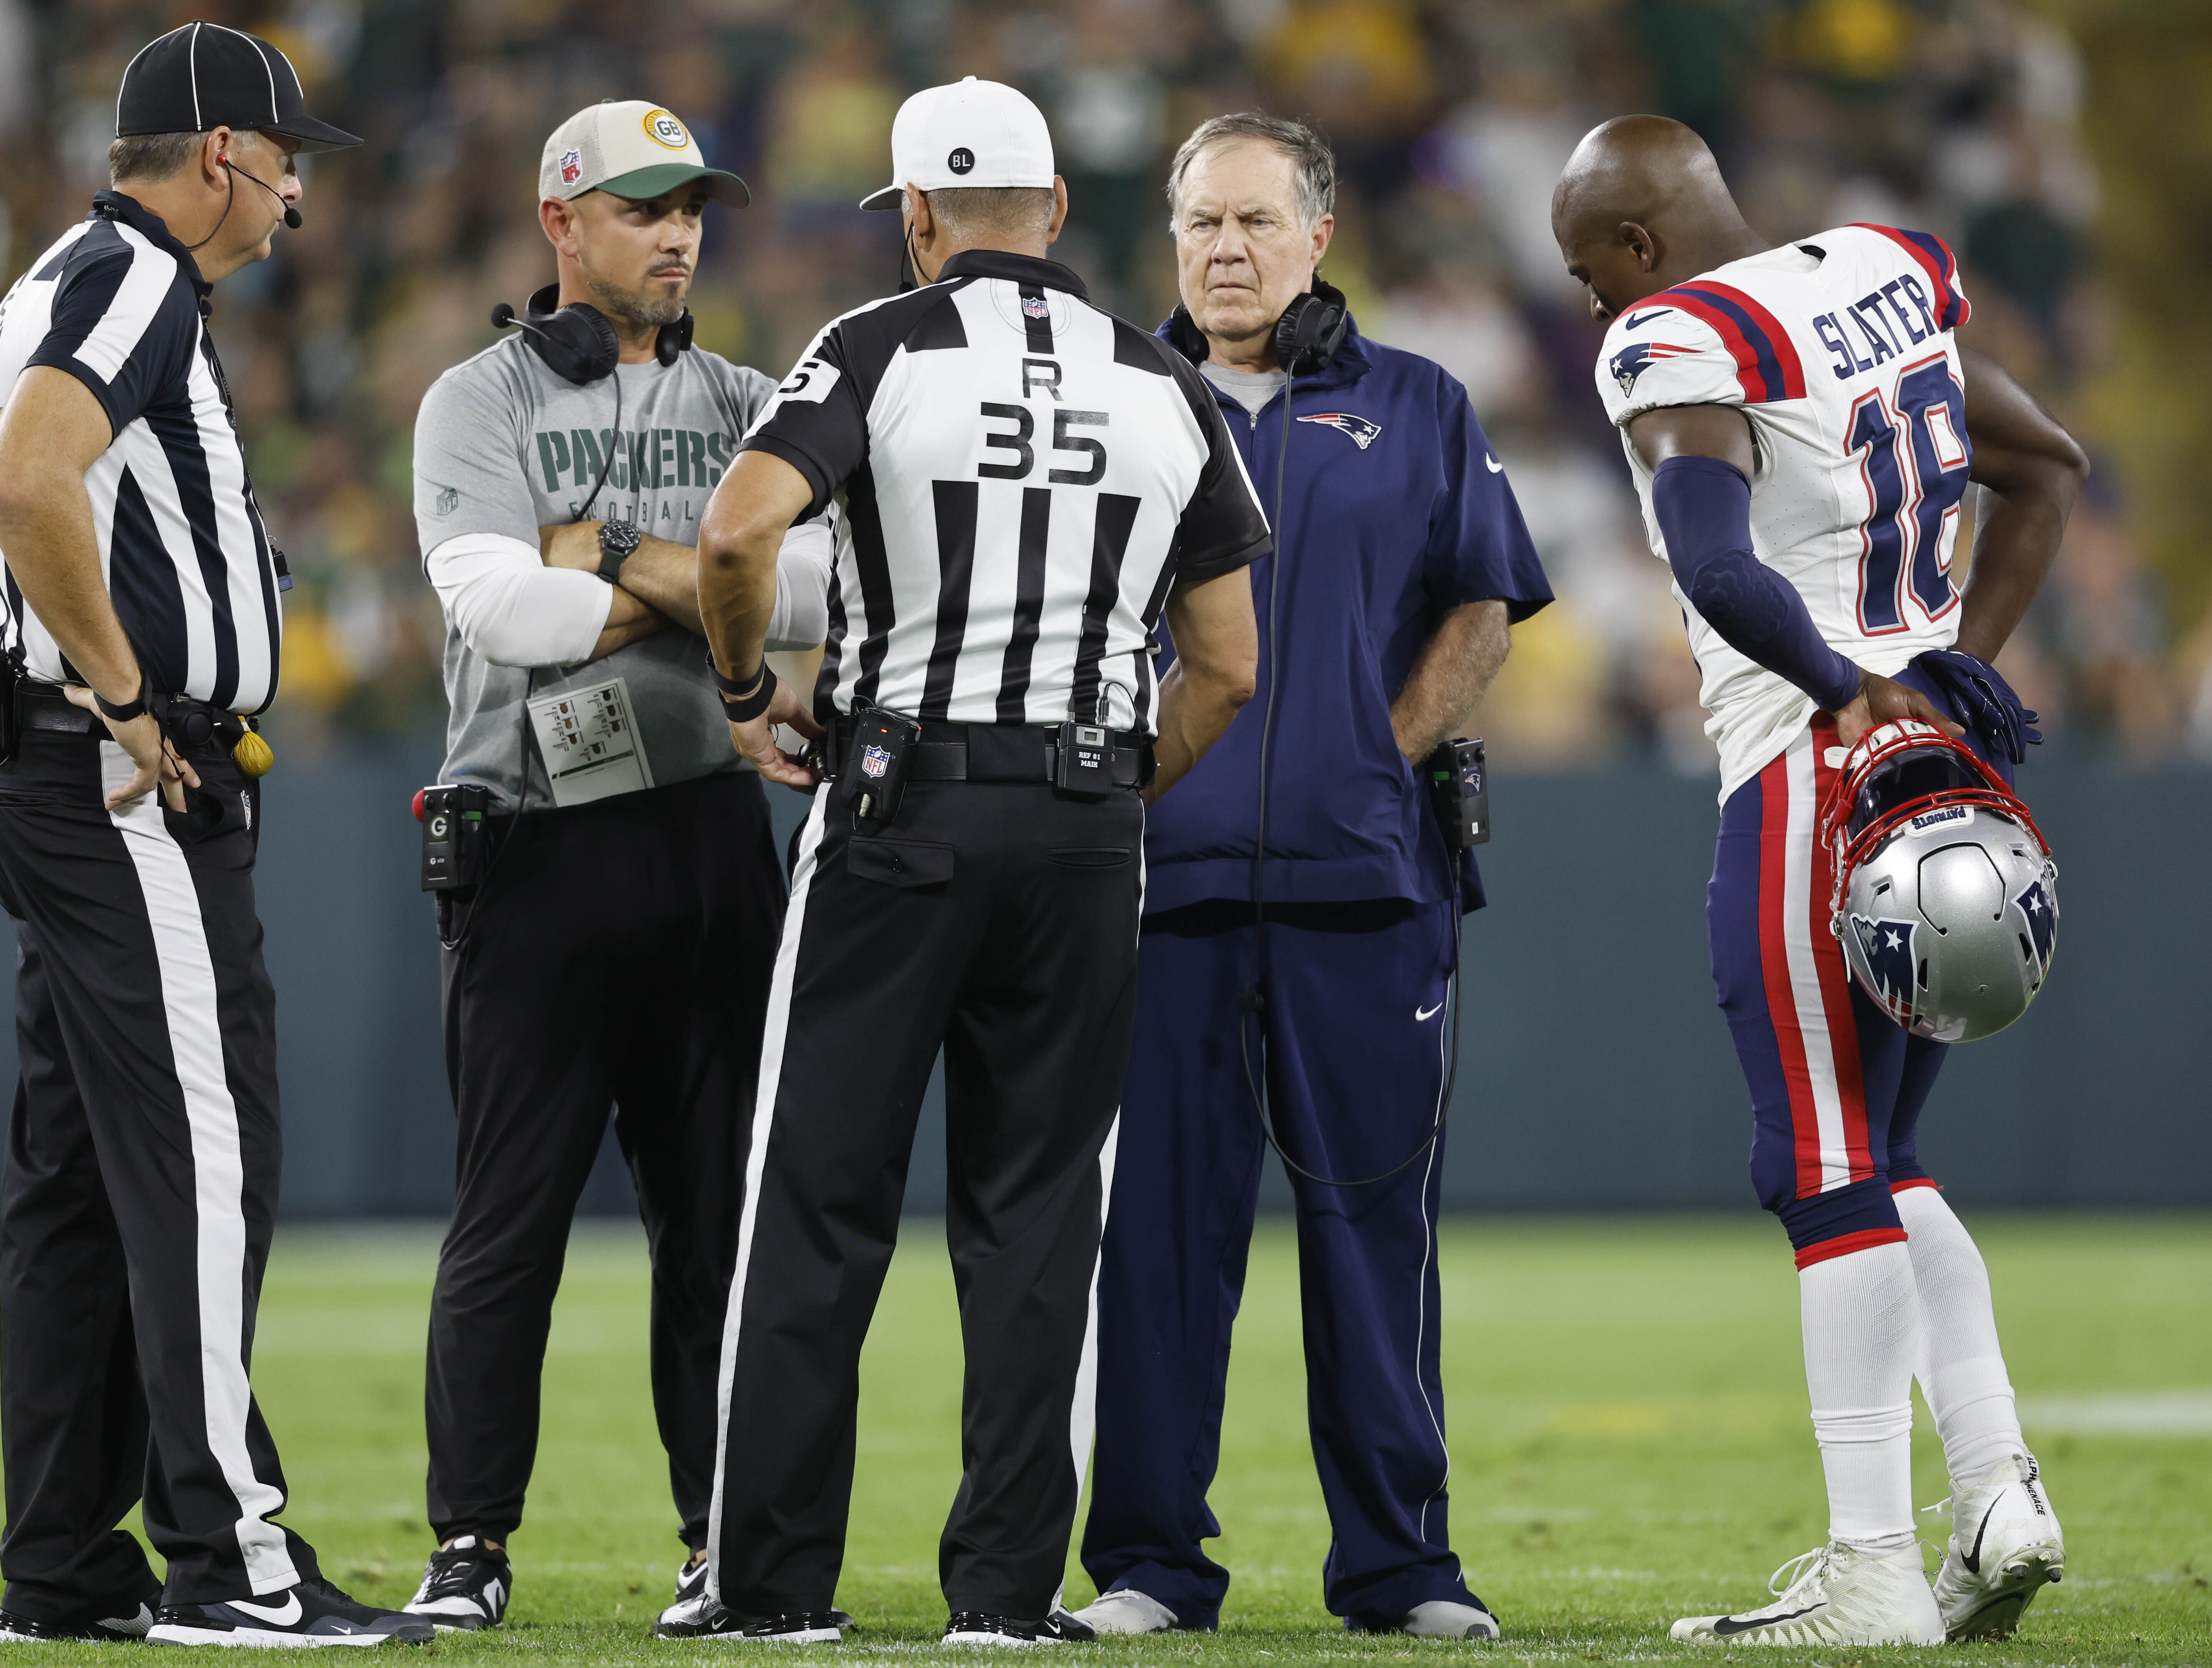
pixel 1704 510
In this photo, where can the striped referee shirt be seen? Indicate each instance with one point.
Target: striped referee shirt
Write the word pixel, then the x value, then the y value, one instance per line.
pixel 120 304
pixel 1025 478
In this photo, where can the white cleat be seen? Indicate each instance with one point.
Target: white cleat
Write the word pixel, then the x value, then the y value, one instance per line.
pixel 2005 1544
pixel 1126 1610
pixel 1444 1618
pixel 1834 1595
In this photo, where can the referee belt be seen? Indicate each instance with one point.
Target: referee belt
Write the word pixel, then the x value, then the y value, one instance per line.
pixel 992 752
pixel 44 707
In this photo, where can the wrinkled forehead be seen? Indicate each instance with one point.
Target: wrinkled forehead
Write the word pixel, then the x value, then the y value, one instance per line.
pixel 1239 175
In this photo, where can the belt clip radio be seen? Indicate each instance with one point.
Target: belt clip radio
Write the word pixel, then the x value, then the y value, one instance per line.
pixel 455 842
pixel 1459 792
pixel 871 775
pixel 1083 760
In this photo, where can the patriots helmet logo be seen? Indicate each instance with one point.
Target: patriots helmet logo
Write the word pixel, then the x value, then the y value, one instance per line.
pixel 1362 431
pixel 1887 946
pixel 1632 360
pixel 2042 912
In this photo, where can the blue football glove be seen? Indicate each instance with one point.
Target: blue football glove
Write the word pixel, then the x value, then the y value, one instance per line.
pixel 1980 698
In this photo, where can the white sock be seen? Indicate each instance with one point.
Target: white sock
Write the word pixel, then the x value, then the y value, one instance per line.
pixel 1861 1319
pixel 1960 1367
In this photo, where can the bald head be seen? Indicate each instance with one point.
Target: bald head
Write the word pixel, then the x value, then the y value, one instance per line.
pixel 1642 206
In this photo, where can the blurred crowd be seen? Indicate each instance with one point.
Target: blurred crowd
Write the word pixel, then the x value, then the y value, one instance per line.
pixel 1450 119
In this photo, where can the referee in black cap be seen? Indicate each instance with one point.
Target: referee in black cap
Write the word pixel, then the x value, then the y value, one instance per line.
pixel 142 635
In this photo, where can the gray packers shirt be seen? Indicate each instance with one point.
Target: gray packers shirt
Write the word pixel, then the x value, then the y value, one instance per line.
pixel 504 445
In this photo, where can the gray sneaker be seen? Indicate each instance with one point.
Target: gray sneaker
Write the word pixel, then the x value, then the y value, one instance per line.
pixel 1126 1610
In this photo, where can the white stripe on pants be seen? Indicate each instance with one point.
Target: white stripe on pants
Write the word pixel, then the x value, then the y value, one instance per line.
pixel 188 1000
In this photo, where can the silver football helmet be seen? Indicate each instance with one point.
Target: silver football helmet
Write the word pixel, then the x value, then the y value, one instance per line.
pixel 1945 895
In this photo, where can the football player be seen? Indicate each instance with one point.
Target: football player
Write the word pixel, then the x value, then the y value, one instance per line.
pixel 1803 428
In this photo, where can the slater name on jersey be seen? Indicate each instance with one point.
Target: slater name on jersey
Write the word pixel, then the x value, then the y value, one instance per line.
pixel 1861 460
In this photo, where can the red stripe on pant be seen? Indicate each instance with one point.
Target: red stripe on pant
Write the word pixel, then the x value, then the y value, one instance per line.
pixel 1774 964
pixel 1844 1244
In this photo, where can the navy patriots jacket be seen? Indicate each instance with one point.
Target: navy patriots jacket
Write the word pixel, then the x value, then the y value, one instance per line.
pixel 1395 511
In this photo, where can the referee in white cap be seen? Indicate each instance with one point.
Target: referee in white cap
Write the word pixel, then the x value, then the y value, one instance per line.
pixel 1031 485
pixel 142 621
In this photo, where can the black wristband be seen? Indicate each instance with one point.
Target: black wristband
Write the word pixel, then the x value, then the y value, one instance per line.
pixel 743 703
pixel 129 709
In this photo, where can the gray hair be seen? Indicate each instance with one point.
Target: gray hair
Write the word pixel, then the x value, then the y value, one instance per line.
pixel 1314 176
pixel 150 155
pixel 971 211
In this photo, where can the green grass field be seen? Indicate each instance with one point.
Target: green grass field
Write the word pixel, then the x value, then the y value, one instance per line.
pixel 1627 1423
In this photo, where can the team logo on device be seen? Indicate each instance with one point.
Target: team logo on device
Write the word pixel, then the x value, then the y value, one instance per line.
pixel 1362 431
pixel 1887 946
pixel 1632 360
pixel 664 129
pixel 961 160
pixel 874 761
pixel 572 166
pixel 2042 922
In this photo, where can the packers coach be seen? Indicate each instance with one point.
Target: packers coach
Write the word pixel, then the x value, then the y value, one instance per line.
pixel 1029 483
pixel 1319 976
pixel 142 618
pixel 614 946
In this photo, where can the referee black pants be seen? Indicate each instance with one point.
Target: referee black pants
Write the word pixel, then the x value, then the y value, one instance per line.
pixel 999 921
pixel 134 1218
pixel 617 955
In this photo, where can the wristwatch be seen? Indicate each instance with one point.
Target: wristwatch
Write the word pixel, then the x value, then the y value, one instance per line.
pixel 618 542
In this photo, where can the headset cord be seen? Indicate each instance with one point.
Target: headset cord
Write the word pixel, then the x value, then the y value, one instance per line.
pixel 1253 1002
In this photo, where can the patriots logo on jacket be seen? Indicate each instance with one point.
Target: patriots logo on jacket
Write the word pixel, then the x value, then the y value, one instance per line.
pixel 1362 431
pixel 1888 948
pixel 1632 360
pixel 2042 922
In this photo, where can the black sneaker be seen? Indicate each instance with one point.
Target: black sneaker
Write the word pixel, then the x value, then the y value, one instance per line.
pixel 313 1613
pixel 464 1587
pixel 705 1619
pixel 977 1627
pixel 13 1627
pixel 1062 1627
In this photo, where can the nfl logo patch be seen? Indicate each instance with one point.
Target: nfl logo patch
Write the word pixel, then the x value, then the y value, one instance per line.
pixel 572 166
pixel 874 761
pixel 1035 307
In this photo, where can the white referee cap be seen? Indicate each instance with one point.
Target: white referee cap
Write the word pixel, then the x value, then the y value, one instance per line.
pixel 972 133
pixel 630 148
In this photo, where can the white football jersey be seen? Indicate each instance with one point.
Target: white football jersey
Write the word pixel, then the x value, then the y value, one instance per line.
pixel 1838 350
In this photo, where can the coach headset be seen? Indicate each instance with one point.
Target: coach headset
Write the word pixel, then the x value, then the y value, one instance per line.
pixel 578 343
pixel 1307 336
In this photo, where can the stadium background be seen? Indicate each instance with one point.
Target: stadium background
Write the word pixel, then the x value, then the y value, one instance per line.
pixel 2051 147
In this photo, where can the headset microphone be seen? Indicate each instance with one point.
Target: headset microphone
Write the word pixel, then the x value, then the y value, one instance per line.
pixel 291 214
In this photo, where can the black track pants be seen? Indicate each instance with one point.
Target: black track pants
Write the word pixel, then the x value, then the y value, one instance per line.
pixel 142 1163
pixel 617 955
pixel 999 920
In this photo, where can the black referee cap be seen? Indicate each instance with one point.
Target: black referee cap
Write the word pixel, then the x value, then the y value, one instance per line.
pixel 203 75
